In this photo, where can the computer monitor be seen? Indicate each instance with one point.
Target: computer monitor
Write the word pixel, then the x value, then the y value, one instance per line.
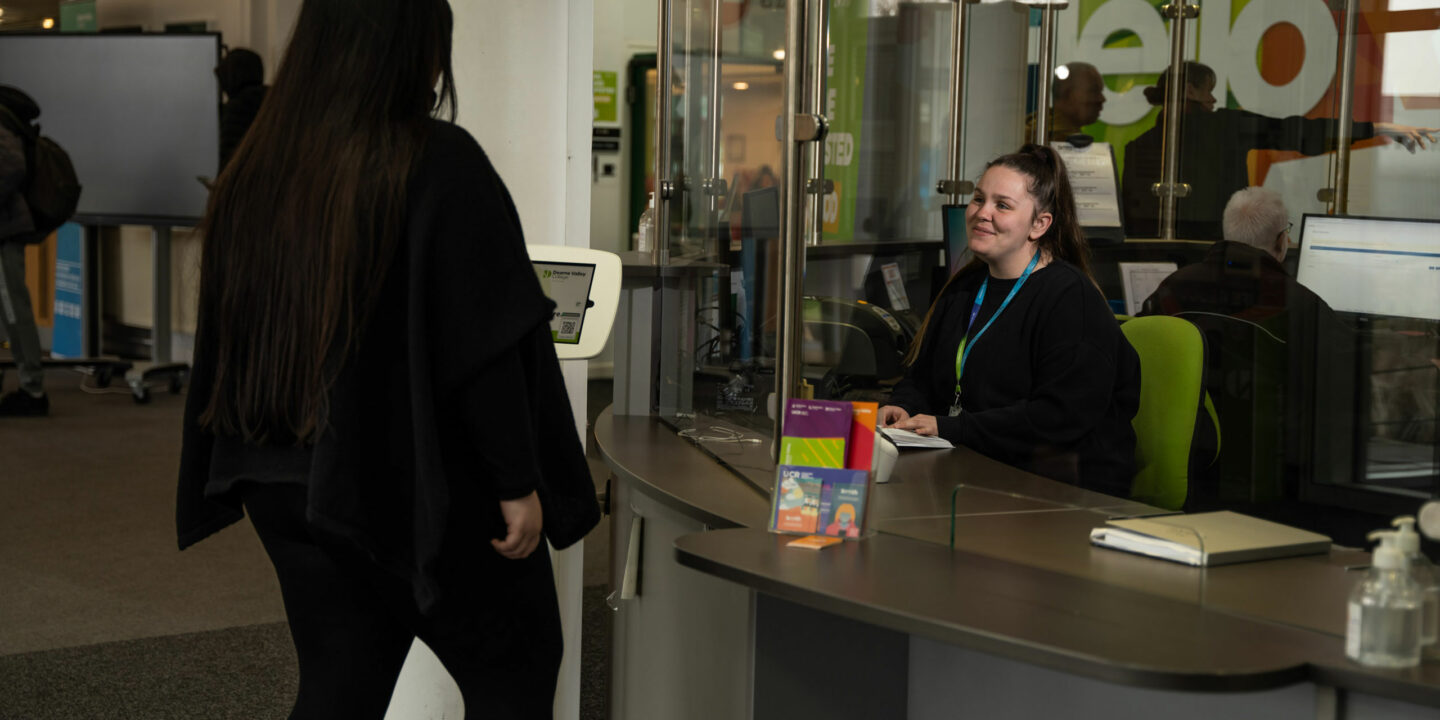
pixel 956 244
pixel 1375 266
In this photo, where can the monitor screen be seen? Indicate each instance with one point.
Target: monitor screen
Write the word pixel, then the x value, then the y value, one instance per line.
pixel 568 284
pixel 953 222
pixel 1377 266
pixel 139 116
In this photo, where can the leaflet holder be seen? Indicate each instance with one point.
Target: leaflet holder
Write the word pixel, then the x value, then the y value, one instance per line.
pixel 585 285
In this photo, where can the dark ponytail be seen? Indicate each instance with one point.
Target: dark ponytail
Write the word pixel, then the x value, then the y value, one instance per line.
pixel 1049 188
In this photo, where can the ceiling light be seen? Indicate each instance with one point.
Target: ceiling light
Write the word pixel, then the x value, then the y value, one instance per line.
pixel 742 85
pixel 1062 72
pixel 48 23
pixel 778 54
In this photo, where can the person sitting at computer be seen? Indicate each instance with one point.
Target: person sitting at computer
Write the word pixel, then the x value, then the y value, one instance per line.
pixel 1241 276
pixel 1079 98
pixel 1020 357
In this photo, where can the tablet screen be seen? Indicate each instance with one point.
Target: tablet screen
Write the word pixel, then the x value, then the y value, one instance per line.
pixel 568 284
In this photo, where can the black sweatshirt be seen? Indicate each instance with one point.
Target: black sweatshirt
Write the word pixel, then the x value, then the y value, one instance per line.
pixel 1051 387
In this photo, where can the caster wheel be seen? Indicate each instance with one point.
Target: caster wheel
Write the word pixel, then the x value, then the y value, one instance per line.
pixel 103 376
pixel 177 383
pixel 142 394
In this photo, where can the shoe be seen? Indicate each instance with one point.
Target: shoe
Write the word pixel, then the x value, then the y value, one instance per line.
pixel 23 404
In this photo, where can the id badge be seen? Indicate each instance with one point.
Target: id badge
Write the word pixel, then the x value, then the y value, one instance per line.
pixel 955 410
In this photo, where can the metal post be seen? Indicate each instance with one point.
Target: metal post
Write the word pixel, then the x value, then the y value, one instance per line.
pixel 1168 189
pixel 160 291
pixel 1046 68
pixel 714 186
pixel 792 248
pixel 952 185
pixel 659 237
pixel 815 185
pixel 1341 202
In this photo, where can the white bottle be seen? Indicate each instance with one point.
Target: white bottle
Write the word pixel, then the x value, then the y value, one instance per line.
pixel 1384 613
pixel 647 227
pixel 1427 576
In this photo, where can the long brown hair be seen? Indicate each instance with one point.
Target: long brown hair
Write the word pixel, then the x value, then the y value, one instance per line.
pixel 1049 188
pixel 303 222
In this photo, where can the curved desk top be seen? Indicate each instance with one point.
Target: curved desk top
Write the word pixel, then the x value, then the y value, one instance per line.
pixel 1023 580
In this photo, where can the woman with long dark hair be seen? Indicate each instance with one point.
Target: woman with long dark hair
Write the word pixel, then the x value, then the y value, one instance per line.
pixel 372 370
pixel 1020 357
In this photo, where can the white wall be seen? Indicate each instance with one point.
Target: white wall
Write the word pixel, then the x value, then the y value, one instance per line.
pixel 623 29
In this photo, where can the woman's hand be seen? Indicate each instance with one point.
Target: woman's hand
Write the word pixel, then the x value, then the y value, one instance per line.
pixel 920 425
pixel 523 521
pixel 1407 135
pixel 891 414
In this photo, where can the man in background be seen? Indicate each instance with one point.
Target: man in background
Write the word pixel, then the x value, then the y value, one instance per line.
pixel 1241 276
pixel 242 78
pixel 1079 96
pixel 17 316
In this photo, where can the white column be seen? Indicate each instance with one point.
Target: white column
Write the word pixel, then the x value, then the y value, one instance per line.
pixel 523 75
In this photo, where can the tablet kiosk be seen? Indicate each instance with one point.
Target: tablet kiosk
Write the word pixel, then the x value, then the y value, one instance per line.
pixel 585 285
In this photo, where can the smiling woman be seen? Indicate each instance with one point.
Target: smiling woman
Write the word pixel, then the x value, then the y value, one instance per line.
pixel 1020 358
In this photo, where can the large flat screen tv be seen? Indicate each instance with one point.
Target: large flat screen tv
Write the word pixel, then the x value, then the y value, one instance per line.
pixel 139 115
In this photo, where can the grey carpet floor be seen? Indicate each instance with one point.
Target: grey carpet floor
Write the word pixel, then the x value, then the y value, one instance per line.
pixel 102 617
pixel 244 673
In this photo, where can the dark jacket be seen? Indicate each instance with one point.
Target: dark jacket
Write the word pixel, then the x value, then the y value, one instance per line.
pixel 1237 280
pixel 15 220
pixel 453 402
pixel 1051 387
pixel 1213 150
pixel 236 117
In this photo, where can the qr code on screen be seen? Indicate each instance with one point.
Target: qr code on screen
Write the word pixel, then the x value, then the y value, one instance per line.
pixel 567 327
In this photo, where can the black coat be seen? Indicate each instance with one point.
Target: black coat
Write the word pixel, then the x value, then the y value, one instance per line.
pixel 1213 151
pixel 453 401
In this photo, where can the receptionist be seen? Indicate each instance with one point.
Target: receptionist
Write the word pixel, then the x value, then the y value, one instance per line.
pixel 1020 357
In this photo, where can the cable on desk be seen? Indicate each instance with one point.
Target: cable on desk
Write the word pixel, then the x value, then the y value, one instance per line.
pixel 720 435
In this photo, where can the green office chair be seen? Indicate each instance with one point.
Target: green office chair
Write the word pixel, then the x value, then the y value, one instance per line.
pixel 1175 415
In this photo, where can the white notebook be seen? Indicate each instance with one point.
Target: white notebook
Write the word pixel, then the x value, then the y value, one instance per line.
pixel 1213 538
pixel 907 439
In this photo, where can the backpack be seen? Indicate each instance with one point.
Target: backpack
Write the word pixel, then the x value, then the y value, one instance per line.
pixel 51 189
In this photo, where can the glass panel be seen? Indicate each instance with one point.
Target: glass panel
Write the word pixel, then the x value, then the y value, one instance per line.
pixel 720 297
pixel 1321 352
pixel 887 77
pixel 1382 278
pixel 887 100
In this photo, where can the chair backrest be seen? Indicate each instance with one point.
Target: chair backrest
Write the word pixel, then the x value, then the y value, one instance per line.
pixel 1172 373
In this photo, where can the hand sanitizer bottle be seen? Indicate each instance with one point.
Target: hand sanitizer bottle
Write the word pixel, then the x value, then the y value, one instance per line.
pixel 1384 612
pixel 1427 576
pixel 647 227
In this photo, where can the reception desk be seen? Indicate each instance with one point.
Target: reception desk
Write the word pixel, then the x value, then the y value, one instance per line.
pixel 1022 618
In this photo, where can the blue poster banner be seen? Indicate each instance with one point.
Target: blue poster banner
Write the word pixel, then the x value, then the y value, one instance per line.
pixel 68 340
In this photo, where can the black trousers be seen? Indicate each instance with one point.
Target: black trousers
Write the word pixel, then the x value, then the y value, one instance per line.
pixel 496 630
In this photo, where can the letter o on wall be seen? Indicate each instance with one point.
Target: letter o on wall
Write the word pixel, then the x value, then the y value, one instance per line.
pixel 1322 41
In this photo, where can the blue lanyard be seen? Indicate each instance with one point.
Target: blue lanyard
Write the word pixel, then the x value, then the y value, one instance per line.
pixel 967 343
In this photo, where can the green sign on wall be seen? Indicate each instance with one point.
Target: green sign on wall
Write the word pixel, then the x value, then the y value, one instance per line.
pixel 78 16
pixel 607 94
pixel 845 109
